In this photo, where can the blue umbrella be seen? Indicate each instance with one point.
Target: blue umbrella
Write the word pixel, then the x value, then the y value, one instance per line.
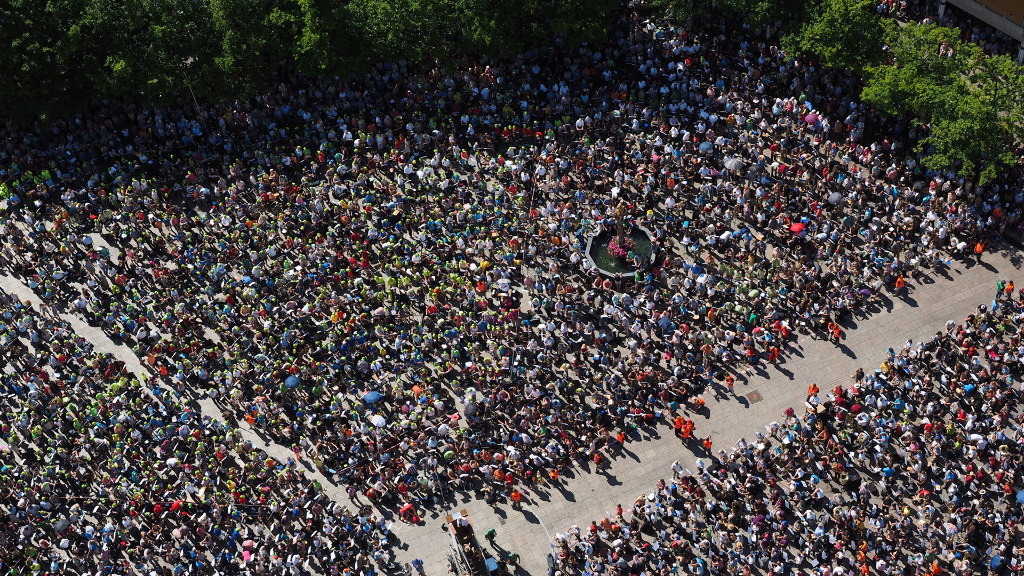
pixel 706 146
pixel 292 381
pixel 1020 496
pixel 371 397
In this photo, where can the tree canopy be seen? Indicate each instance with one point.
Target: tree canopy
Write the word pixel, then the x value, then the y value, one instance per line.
pixel 60 55
pixel 840 34
pixel 973 103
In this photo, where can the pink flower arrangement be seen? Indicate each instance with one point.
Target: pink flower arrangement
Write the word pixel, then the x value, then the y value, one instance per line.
pixel 620 250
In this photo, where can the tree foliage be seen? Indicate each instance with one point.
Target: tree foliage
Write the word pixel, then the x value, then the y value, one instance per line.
pixel 412 29
pixel 755 13
pixel 926 65
pixel 43 55
pixel 59 55
pixel 973 103
pixel 254 38
pixel 840 34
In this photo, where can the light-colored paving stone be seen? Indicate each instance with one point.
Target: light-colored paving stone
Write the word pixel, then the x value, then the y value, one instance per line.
pixel 589 496
pixel 103 343
pixel 592 496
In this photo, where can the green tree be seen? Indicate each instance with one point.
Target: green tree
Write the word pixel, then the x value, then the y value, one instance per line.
pixel 982 123
pixel 45 65
pixel 971 102
pixel 580 21
pixel 152 50
pixel 840 34
pixel 59 55
pixel 327 42
pixel 413 29
pixel 756 13
pixel 118 34
pixel 509 27
pixel 255 37
pixel 926 64
pixel 503 27
pixel 183 49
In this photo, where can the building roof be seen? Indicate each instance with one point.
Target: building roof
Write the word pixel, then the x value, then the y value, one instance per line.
pixel 1004 15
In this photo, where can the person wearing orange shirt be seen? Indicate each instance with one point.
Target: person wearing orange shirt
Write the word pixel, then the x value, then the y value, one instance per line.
pixel 687 430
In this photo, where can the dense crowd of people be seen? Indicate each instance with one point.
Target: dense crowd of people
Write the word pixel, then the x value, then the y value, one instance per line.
pixel 101 473
pixel 388 275
pixel 913 470
pixel 972 30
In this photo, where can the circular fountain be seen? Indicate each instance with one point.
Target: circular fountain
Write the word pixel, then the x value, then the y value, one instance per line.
pixel 619 261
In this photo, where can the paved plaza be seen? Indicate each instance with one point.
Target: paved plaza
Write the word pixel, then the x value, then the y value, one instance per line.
pixel 760 398
pixel 592 496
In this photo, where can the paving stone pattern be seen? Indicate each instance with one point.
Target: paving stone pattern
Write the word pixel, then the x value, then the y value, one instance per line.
pixel 760 397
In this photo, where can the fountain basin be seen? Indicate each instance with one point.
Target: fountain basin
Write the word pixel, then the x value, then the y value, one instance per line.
pixel 613 266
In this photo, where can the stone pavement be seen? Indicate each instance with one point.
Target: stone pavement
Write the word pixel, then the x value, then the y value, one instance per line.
pixel 103 343
pixel 761 397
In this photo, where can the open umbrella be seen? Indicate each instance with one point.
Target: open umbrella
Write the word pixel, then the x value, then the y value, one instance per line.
pixel 371 397
pixel 706 146
pixel 734 164
pixel 811 118
pixel 797 227
pixel 377 420
pixel 834 198
pixel 292 381
pixel 61 526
